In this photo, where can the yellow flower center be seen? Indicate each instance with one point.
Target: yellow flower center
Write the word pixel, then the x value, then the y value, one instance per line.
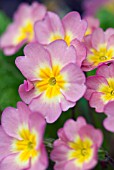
pixel 107 90
pixel 81 151
pixel 101 55
pixel 52 81
pixel 56 36
pixel 26 31
pixel 26 146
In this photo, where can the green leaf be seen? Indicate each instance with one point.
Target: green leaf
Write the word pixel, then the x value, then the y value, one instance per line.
pixel 4 22
pixel 10 79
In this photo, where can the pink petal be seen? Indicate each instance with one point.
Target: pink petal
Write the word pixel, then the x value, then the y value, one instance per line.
pixel 61 54
pixel 12 118
pixel 71 127
pixel 94 134
pixel 98 37
pixel 49 109
pixel 37 122
pixel 5 144
pixel 80 51
pixel 106 71
pixel 96 102
pixel 10 162
pixel 111 41
pixel 50 25
pixel 65 104
pixel 108 33
pixel 108 109
pixel 88 93
pixel 27 96
pixel 93 82
pixel 35 56
pixel 72 22
pixel 75 80
pixel 109 123
pixel 59 153
pixel 42 162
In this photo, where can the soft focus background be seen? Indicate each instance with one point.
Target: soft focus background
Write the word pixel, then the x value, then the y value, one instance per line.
pixel 11 78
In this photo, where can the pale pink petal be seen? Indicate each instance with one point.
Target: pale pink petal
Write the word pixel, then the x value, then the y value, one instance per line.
pixel 88 93
pixel 88 42
pixel 75 88
pixel 61 54
pixel 49 26
pixel 72 23
pixel 93 82
pixel 60 165
pixel 65 104
pixel 5 144
pixel 96 102
pixel 49 109
pixel 42 162
pixel 27 96
pixel 98 37
pixel 106 70
pixel 35 56
pixel 80 51
pixel 109 123
pixel 70 165
pixel 111 41
pixel 37 122
pixel 59 153
pixel 12 118
pixel 108 109
pixel 94 134
pixel 71 127
pixel 10 162
pixel 108 33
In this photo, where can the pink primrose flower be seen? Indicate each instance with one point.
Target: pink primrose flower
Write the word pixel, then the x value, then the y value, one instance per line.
pixel 100 48
pixel 21 139
pixel 21 31
pixel 71 29
pixel 109 121
pixel 54 81
pixel 77 146
pixel 100 87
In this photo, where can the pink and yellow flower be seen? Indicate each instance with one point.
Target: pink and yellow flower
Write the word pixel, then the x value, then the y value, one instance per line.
pixel 100 48
pixel 100 88
pixel 54 81
pixel 77 146
pixel 70 29
pixel 21 31
pixel 93 24
pixel 109 121
pixel 21 139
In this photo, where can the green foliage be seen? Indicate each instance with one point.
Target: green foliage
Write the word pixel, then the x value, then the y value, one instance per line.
pixel 106 18
pixel 4 21
pixel 10 77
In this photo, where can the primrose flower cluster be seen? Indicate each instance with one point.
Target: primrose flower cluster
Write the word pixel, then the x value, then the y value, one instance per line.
pixel 56 55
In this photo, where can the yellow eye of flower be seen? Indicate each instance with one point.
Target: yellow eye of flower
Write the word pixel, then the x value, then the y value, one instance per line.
pixel 52 81
pixel 26 146
pixel 26 31
pixel 107 90
pixel 101 55
pixel 81 150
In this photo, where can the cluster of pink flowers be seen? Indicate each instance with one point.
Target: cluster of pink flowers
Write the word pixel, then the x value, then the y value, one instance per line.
pixel 54 61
